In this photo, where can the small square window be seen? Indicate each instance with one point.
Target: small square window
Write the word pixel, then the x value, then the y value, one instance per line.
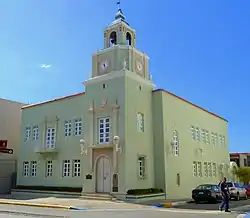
pixel 104 86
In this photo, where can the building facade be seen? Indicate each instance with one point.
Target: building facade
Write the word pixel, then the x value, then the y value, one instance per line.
pixel 10 124
pixel 241 159
pixel 120 133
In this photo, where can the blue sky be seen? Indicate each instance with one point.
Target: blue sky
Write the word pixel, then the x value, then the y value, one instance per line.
pixel 200 50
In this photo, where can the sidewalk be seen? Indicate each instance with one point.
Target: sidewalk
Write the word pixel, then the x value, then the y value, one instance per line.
pixel 67 203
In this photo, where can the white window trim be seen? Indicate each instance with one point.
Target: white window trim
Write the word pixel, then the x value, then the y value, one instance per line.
pixel 142 166
pixel 76 168
pixel 67 128
pixel 49 168
pixel 140 119
pixel 199 169
pixel 176 143
pixel 78 127
pixel 106 130
pixel 33 168
pixel 195 168
pixel 35 132
pixel 26 168
pixel 50 138
pixel 27 133
pixel 205 169
pixel 66 168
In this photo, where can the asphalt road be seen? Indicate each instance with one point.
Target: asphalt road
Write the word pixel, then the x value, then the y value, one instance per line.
pixel 28 212
pixel 234 205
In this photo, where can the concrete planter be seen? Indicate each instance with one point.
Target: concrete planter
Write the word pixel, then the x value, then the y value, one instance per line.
pixel 143 198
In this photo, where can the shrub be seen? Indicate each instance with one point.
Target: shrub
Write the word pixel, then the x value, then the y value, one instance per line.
pixel 144 191
pixel 50 188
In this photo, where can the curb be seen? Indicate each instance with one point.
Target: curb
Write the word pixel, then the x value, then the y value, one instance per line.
pixel 54 206
pixel 169 204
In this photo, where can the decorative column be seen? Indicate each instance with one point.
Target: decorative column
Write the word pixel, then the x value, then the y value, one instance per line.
pixel 114 124
pixel 91 125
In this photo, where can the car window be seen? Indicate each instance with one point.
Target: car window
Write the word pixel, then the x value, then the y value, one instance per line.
pixel 205 187
pixel 216 188
pixel 237 185
pixel 230 184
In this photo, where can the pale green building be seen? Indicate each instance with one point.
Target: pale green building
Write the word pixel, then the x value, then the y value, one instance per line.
pixel 121 131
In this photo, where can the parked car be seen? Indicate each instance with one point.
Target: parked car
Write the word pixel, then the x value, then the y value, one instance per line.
pixel 237 191
pixel 247 187
pixel 206 193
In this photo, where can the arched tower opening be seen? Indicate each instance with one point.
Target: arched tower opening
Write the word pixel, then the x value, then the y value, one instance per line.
pixel 128 39
pixel 112 39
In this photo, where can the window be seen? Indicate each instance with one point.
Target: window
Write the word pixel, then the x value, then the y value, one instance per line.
pixel 199 169
pixel 27 133
pixel 203 136
pixel 195 173
pixel 214 170
pixel 210 172
pixel 207 137
pixel 25 168
pixel 49 168
pixel 76 168
pixel 140 122
pixel 205 169
pixel 193 132
pixel 220 139
pixel 33 168
pixel 223 140
pixel 104 86
pixel 104 130
pixel 212 139
pixel 198 136
pixel 35 133
pixel 50 138
pixel 66 168
pixel 78 127
pixel 67 127
pixel 141 166
pixel 175 143
pixel 215 138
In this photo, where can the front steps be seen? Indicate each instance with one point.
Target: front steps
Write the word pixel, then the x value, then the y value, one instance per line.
pixel 98 196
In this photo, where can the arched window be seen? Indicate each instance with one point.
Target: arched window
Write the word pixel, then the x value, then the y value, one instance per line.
pixel 128 38
pixel 176 145
pixel 112 39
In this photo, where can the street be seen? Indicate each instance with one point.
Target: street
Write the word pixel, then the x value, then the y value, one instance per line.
pixel 25 211
pixel 239 206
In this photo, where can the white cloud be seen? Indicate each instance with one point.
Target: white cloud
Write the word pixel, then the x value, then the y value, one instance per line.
pixel 45 66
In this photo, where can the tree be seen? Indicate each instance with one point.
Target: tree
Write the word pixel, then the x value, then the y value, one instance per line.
pixel 243 173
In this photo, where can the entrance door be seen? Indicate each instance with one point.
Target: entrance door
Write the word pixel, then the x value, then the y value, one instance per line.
pixel 103 177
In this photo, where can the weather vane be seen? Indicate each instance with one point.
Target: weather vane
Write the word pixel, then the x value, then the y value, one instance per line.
pixel 119 4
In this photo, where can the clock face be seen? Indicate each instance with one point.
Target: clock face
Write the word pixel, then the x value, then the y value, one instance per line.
pixel 104 65
pixel 139 66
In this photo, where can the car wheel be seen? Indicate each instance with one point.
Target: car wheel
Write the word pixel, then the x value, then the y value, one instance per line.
pixel 238 197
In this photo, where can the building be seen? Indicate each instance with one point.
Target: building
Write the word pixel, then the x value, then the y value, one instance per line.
pixel 10 124
pixel 241 159
pixel 120 133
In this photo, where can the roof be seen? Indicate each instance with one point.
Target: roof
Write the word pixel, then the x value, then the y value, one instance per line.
pixel 182 99
pixel 53 100
pixel 237 154
pixel 157 90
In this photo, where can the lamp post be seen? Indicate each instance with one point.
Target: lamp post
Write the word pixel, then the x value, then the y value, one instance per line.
pixel 83 148
pixel 116 141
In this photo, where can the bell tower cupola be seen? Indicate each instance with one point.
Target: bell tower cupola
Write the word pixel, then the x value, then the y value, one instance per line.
pixel 119 31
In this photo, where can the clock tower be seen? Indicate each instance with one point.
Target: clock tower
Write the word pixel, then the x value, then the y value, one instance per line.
pixel 120 92
pixel 120 50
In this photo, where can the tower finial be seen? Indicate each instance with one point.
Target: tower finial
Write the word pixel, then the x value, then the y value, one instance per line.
pixel 118 4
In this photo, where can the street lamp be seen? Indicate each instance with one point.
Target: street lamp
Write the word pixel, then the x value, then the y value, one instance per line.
pixel 83 148
pixel 116 141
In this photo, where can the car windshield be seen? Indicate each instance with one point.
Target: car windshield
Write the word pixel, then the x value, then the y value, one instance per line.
pixel 230 184
pixel 205 187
